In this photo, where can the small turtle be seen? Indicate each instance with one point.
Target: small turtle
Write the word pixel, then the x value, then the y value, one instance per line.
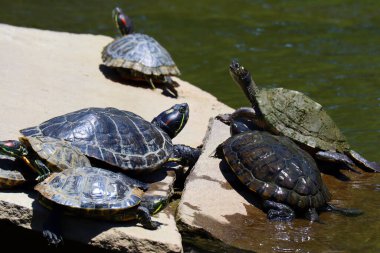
pixel 42 154
pixel 95 193
pixel 10 174
pixel 138 56
pixel 122 138
pixel 295 115
pixel 285 176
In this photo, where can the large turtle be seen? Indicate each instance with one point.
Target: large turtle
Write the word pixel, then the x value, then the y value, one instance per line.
pixel 138 56
pixel 42 154
pixel 295 115
pixel 280 172
pixel 95 193
pixel 122 138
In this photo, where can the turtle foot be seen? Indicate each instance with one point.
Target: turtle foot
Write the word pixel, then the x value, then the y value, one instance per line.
pixel 364 163
pixel 52 238
pixel 278 211
pixel 143 216
pixel 225 118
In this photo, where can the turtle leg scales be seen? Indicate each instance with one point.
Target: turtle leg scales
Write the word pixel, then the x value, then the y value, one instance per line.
pixel 334 157
pixel 143 216
pixel 278 211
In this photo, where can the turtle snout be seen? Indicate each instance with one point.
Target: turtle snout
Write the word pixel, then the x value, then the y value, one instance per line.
pixel 234 65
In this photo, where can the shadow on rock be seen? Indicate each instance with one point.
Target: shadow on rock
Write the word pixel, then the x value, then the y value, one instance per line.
pixel 113 75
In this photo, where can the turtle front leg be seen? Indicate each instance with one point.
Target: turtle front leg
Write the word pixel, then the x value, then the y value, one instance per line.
pixel 334 157
pixel 363 163
pixel 143 216
pixel 51 229
pixel 185 155
pixel 278 211
pixel 244 115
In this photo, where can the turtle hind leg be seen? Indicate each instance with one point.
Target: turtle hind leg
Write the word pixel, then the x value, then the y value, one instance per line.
pixel 363 163
pixel 278 211
pixel 352 212
pixel 334 157
pixel 143 216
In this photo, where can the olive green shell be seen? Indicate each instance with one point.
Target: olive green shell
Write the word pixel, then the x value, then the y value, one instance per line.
pixel 91 192
pixel 297 116
pixel 58 154
pixel 276 168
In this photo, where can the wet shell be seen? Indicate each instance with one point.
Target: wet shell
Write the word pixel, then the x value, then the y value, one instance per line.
pixel 120 138
pixel 276 168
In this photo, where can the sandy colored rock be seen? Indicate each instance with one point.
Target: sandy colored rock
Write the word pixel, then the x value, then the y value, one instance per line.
pixel 45 74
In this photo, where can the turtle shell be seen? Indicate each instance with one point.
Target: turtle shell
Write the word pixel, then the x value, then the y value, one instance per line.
pixel 10 178
pixel 297 116
pixel 59 155
pixel 91 192
pixel 120 138
pixel 141 53
pixel 276 168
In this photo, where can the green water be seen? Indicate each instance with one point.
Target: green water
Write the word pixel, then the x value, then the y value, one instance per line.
pixel 329 50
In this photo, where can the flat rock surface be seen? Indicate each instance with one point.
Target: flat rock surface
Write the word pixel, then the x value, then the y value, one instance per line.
pixel 217 213
pixel 45 74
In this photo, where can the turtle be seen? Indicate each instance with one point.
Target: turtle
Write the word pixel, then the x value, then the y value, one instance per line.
pixel 138 56
pixel 10 174
pixel 95 193
pixel 295 115
pixel 122 138
pixel 42 154
pixel 282 174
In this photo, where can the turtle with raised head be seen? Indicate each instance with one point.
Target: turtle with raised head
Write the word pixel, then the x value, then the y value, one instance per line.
pixel 138 56
pixel 122 138
pixel 295 115
pixel 285 176
pixel 95 193
pixel 42 155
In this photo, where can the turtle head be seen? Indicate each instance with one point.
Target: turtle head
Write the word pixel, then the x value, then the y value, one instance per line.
pixel 13 148
pixel 173 120
pixel 243 78
pixel 122 21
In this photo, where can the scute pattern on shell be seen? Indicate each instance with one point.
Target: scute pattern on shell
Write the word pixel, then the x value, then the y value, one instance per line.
pixel 276 168
pixel 61 155
pixel 141 53
pixel 92 191
pixel 118 137
pixel 10 178
pixel 297 116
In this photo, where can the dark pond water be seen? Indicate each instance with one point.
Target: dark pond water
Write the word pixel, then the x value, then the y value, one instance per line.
pixel 329 50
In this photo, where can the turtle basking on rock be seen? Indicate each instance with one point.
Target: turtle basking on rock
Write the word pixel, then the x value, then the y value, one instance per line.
pixel 95 193
pixel 138 56
pixel 295 115
pixel 281 173
pixel 121 138
pixel 42 154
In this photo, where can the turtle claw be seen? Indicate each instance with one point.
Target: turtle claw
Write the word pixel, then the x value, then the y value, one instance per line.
pixel 225 118
pixel 52 238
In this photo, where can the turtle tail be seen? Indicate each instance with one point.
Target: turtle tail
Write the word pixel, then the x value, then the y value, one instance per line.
pixel 351 212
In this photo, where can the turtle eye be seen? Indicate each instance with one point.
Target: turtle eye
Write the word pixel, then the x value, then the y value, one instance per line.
pixel 182 109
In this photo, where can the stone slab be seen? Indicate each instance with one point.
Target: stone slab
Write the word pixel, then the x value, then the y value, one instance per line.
pixel 45 74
